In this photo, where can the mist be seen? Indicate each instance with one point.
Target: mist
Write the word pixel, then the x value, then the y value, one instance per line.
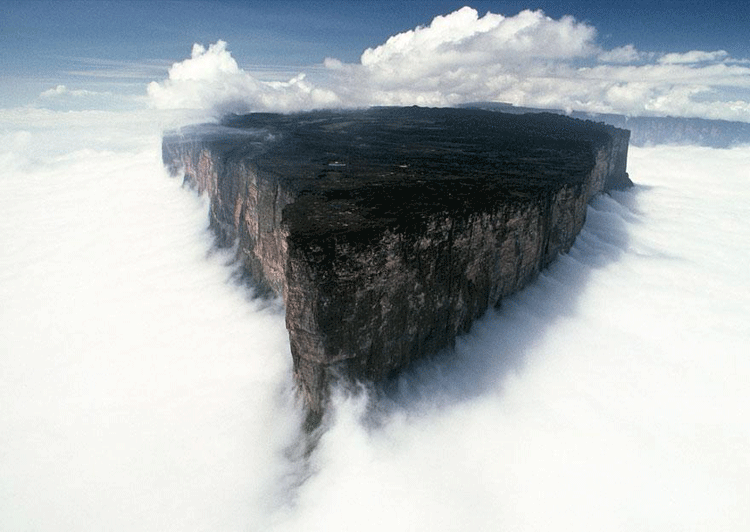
pixel 142 387
pixel 608 395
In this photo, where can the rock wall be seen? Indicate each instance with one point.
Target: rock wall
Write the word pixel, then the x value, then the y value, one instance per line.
pixel 388 232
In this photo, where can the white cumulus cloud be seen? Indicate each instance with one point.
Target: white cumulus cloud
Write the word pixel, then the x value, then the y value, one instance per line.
pixel 211 79
pixel 529 59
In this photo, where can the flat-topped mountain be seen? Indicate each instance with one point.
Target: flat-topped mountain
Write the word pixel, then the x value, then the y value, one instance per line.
pixel 388 231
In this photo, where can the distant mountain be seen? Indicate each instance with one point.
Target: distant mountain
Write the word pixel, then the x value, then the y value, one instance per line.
pixel 652 130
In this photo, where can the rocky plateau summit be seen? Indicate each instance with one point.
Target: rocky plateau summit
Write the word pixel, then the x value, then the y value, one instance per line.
pixel 389 231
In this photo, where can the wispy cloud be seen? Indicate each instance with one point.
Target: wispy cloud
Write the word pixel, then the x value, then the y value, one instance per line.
pixel 91 67
pixel 62 90
pixel 62 97
pixel 622 54
pixel 694 56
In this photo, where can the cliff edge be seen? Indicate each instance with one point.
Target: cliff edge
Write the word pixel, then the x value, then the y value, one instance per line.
pixel 389 231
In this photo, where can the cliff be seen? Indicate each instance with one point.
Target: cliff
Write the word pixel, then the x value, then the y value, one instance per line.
pixel 389 231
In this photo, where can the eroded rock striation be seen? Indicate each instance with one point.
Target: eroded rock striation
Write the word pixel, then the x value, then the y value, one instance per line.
pixel 388 231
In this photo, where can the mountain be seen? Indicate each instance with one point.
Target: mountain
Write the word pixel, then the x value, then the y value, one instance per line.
pixel 652 130
pixel 389 231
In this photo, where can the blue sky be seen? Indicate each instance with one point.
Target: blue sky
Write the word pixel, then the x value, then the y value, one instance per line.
pixel 99 46
pixel 39 32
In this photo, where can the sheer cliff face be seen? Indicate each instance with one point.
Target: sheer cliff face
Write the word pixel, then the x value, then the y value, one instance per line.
pixel 389 231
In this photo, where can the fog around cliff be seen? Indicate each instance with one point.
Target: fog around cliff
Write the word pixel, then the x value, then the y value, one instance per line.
pixel 141 388
pixel 528 59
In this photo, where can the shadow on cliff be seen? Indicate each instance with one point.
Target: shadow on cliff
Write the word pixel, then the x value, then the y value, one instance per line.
pixel 501 342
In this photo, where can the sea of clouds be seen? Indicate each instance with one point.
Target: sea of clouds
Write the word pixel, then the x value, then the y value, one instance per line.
pixel 143 388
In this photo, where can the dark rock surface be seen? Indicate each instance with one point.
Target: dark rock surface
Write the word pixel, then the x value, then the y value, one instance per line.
pixel 389 231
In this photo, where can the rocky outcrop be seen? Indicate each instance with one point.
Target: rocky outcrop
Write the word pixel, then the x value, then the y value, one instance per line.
pixel 389 231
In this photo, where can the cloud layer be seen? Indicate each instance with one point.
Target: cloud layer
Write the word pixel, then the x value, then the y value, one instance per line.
pixel 528 59
pixel 142 389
